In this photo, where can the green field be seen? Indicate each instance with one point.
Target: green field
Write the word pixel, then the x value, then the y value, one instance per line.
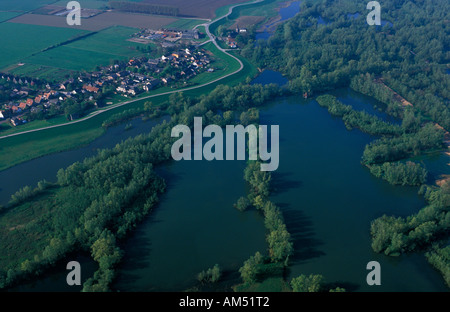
pixel 86 4
pixel 185 23
pixel 223 64
pixel 266 8
pixel 110 41
pixel 99 49
pixel 4 16
pixel 19 41
pixel 43 72
pixel 23 5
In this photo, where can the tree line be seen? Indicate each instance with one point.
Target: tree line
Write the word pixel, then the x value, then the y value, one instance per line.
pixel 397 235
pixel 138 7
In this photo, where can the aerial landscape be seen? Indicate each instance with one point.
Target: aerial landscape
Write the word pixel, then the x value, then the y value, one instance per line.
pixel 235 146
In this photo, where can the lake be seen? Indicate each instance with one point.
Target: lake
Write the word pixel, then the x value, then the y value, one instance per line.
pixel 285 13
pixel 327 198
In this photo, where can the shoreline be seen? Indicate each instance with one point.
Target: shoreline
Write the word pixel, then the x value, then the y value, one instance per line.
pixel 272 23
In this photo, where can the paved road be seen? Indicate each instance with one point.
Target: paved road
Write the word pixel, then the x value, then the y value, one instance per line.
pixel 98 112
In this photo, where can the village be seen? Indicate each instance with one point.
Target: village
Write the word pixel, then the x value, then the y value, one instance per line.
pixel 23 100
pixel 166 37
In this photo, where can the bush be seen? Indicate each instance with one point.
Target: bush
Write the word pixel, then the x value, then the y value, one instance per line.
pixel 211 275
pixel 242 204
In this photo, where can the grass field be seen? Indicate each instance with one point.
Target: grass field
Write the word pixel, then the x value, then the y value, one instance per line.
pixel 23 5
pixel 86 4
pixel 43 72
pixel 223 63
pixel 266 9
pixel 101 48
pixel 20 41
pixel 4 16
pixel 98 22
pixel 185 23
pixel 196 8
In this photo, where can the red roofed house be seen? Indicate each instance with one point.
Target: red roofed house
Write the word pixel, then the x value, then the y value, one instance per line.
pixel 38 99
pixel 30 102
pixel 90 88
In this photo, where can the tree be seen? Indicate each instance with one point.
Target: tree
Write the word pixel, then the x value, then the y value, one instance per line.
pixel 211 275
pixel 303 283
pixel 242 204
pixel 250 269
pixel 280 245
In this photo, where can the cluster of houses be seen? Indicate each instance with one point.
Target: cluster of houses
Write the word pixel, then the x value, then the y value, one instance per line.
pixel 169 35
pixel 185 63
pixel 127 78
pixel 24 98
pixel 231 38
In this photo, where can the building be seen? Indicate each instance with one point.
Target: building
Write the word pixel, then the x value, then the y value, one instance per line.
pixel 90 88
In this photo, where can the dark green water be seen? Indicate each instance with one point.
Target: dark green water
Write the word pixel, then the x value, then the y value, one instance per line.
pixel 328 200
pixel 194 227
pixel 327 197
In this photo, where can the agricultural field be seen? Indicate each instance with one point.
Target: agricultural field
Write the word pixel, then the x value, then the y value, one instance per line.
pixel 23 5
pixel 185 23
pixel 86 4
pixel 196 8
pixel 19 41
pixel 85 54
pixel 247 21
pixel 4 16
pixel 98 22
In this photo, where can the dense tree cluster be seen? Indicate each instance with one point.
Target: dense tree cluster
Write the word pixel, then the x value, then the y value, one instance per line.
pixel 327 46
pixel 399 173
pixel 356 119
pixel 303 283
pixel 396 235
pixel 409 144
pixel 440 259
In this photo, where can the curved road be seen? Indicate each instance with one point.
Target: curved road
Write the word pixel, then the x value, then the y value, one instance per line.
pixel 212 38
